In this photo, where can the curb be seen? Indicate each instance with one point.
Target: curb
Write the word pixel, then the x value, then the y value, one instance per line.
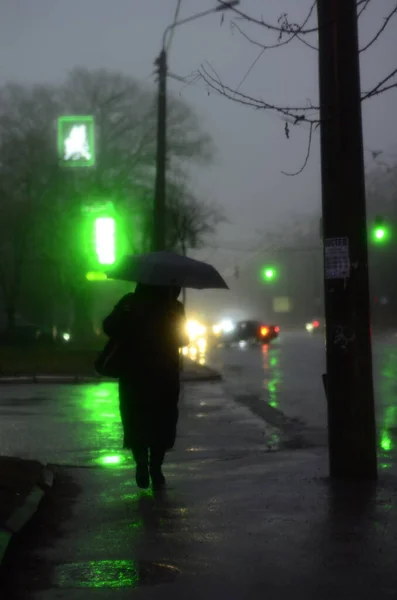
pixel 23 514
pixel 76 380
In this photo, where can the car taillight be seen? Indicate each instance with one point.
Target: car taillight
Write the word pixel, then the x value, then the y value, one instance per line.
pixel 316 323
pixel 277 329
pixel 264 330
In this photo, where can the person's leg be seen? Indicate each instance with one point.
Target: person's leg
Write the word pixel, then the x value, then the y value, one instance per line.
pixel 157 454
pixel 141 457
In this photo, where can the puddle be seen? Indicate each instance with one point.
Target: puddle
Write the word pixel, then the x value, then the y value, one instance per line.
pixel 113 574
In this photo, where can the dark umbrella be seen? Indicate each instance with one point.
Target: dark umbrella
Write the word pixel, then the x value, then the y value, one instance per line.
pixel 168 268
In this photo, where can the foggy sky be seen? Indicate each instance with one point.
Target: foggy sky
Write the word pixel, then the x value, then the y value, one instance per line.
pixel 41 40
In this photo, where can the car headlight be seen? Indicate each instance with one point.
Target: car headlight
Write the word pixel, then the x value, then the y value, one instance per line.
pixel 227 326
pixel 201 344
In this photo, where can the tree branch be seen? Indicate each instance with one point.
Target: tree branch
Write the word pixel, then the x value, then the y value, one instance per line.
pixel 378 89
pixel 289 28
pixel 365 4
pixel 381 30
pixel 292 30
pixel 309 145
pixel 298 113
pixel 286 27
pixel 261 53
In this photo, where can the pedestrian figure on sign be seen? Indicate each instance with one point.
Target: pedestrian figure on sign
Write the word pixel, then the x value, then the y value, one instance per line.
pixel 149 327
pixel 76 144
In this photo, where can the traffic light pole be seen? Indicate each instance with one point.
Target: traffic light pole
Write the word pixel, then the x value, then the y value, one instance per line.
pixel 159 213
pixel 349 384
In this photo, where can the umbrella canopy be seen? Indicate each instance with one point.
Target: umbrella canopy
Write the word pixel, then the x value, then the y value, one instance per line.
pixel 168 268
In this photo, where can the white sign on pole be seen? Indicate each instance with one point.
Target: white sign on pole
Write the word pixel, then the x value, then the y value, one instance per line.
pixel 337 258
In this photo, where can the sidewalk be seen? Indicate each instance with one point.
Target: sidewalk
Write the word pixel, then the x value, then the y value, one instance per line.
pixel 239 521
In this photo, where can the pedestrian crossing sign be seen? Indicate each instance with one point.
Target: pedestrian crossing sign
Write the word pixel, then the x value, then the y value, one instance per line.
pixel 76 141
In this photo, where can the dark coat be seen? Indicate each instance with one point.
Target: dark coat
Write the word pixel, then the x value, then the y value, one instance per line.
pixel 151 327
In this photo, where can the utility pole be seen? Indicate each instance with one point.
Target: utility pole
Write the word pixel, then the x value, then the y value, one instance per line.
pixel 159 213
pixel 159 209
pixel 349 383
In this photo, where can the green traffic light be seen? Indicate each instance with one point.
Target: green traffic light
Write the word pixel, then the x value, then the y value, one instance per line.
pixel 380 234
pixel 269 273
pixel 380 231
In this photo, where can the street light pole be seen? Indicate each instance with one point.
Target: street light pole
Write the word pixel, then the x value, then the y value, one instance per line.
pixel 159 216
pixel 349 384
pixel 160 201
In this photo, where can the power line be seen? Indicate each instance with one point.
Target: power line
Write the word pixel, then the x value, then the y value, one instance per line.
pixel 254 253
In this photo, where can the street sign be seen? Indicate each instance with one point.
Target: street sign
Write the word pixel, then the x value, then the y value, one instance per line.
pixel 337 258
pixel 76 141
pixel 282 304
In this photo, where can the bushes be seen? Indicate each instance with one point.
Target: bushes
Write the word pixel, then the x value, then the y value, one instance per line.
pixel 47 360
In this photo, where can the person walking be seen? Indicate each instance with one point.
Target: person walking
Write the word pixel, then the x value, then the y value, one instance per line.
pixel 149 327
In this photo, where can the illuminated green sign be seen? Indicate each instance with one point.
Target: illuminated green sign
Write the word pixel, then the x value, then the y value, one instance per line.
pixel 96 276
pixel 105 240
pixel 76 141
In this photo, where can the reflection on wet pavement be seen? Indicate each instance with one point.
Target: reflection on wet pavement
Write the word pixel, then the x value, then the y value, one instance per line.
pixel 80 425
pixel 100 403
pixel 113 574
pixel 234 513
pixel 67 425
pixel 197 351
pixel 272 374
pixel 286 376
pixel 387 398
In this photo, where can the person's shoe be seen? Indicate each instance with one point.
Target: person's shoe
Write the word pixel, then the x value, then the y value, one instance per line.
pixel 157 477
pixel 142 475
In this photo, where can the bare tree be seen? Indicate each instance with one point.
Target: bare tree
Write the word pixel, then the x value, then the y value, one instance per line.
pixel 125 116
pixel 40 204
pixel 266 37
pixel 382 192
pixel 190 220
pixel 27 169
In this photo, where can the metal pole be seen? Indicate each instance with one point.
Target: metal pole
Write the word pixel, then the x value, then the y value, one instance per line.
pixel 160 207
pixel 351 412
pixel 159 213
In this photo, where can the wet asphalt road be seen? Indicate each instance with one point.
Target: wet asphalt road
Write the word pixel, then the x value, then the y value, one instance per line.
pixel 287 375
pixel 238 515
pixel 38 422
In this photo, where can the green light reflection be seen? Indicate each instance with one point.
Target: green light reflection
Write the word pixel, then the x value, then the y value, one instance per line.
pixel 113 574
pixel 388 426
pixel 111 460
pixel 386 442
pixel 272 374
pixel 100 405
pixel 100 574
